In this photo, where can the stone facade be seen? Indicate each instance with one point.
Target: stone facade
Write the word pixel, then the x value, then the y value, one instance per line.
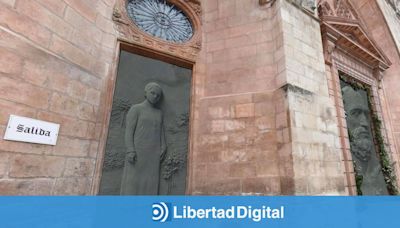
pixel 55 60
pixel 265 113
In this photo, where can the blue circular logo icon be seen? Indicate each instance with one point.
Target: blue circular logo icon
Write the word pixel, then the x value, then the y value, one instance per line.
pixel 160 212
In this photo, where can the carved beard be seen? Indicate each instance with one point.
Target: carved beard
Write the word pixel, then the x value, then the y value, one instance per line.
pixel 361 145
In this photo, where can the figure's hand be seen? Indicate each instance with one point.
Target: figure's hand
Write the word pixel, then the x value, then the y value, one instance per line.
pixel 132 157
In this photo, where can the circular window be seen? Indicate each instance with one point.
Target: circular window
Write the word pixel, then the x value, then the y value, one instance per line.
pixel 160 19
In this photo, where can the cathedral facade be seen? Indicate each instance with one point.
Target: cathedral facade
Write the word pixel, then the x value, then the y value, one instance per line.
pixel 251 97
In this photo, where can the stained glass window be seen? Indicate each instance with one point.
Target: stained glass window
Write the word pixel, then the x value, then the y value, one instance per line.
pixel 160 19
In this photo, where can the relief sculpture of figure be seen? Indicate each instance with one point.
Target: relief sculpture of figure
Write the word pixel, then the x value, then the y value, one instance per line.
pixel 145 142
pixel 362 144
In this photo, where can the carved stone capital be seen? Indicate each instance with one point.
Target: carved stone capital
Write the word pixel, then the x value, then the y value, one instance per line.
pixel 329 45
pixel 335 8
pixel 378 73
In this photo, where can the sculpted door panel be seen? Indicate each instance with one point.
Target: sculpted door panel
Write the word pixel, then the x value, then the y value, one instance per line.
pixel 147 144
pixel 363 150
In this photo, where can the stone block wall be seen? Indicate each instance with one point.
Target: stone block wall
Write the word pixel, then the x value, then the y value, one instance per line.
pixel 313 147
pixel 266 59
pixel 263 122
pixel 234 137
pixel 55 57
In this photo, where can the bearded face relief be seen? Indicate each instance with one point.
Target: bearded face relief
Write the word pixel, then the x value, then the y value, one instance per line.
pixel 358 120
pixel 358 123
pixel 362 147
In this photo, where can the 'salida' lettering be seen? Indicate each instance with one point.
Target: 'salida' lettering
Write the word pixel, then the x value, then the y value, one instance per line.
pixel 32 130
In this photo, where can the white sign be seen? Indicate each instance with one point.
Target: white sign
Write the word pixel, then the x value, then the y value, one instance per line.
pixel 30 130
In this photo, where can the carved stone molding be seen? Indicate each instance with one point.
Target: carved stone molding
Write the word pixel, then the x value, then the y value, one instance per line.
pixel 130 33
pixel 329 45
pixel 195 4
pixel 341 28
pixel 336 8
pixel 309 5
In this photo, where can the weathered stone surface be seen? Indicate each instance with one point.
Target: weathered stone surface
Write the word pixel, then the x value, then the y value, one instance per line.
pixel 83 9
pixel 71 52
pixel 242 170
pixel 36 166
pixel 87 112
pixel 267 168
pixel 92 96
pixel 10 63
pixel 76 89
pixel 37 186
pixel 262 186
pixel 53 67
pixel 64 105
pixel 20 92
pixel 3 169
pixel 8 2
pixel 4 164
pixel 56 6
pixel 72 147
pixel 93 131
pixel 7 108
pixel 35 73
pixel 94 149
pixel 39 13
pixel 72 186
pixel 218 187
pixel 79 167
pixel 24 25
pixel 73 16
pixel 244 110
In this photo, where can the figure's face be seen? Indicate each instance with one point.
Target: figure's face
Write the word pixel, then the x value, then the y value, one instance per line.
pixel 153 95
pixel 358 123
pixel 357 114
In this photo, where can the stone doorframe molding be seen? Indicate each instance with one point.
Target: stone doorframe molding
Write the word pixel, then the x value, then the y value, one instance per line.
pixel 132 39
pixel 349 50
